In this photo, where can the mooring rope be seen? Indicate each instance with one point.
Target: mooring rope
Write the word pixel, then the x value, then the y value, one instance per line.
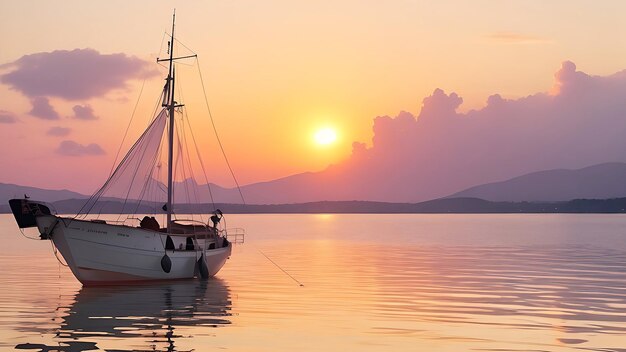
pixel 283 270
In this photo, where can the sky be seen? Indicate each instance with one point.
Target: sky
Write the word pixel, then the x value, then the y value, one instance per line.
pixel 275 72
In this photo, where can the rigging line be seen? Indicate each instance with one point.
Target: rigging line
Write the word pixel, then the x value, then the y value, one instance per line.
pixel 154 181
pixel 160 186
pixel 145 187
pixel 182 142
pixel 217 137
pixel 175 168
pixel 193 176
pixel 147 182
pixel 132 180
pixel 143 149
pixel 157 104
pixel 180 158
pixel 184 64
pixel 185 165
pixel 283 270
pixel 185 117
pixel 162 40
pixel 190 168
pixel 96 196
pixel 161 48
pixel 206 179
pixel 148 189
pixel 127 128
pixel 157 184
pixel 186 47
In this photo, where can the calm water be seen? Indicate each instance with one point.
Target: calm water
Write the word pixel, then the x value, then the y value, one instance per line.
pixel 371 283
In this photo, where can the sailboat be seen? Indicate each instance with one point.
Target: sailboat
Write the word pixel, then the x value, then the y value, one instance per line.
pixel 105 252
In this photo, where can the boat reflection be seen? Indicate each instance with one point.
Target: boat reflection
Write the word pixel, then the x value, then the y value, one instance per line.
pixel 147 317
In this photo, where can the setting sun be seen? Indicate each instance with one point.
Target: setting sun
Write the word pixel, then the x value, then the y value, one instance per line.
pixel 325 136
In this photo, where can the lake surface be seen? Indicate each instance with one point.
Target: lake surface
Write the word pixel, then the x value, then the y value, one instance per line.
pixel 370 283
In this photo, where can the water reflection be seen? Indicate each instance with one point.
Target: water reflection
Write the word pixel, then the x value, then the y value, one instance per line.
pixel 465 298
pixel 496 286
pixel 145 317
pixel 442 283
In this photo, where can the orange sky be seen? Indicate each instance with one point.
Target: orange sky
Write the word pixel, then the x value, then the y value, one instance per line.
pixel 277 71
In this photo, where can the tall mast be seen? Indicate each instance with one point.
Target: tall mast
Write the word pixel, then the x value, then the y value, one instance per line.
pixel 171 107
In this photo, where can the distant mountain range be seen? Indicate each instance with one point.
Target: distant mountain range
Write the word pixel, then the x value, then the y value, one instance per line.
pixel 603 181
pixel 9 191
pixel 594 182
pixel 437 206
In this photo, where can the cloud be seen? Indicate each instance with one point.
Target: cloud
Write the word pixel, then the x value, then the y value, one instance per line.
pixel 59 131
pixel 7 117
pixel 74 74
pixel 84 112
pixel 440 151
pixel 71 148
pixel 515 38
pixel 42 109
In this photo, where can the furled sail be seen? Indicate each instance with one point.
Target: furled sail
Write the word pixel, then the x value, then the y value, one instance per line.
pixel 134 182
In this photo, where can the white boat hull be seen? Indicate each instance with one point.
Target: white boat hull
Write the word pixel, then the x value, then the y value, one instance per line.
pixel 104 254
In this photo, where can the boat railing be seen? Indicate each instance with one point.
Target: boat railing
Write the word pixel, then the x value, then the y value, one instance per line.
pixel 235 235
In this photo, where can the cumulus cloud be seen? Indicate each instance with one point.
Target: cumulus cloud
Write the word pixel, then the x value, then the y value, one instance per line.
pixel 71 148
pixel 84 112
pixel 73 74
pixel 42 109
pixel 7 117
pixel 440 151
pixel 59 131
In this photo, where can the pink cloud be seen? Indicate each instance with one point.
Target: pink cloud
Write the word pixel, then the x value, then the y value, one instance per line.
pixel 441 150
pixel 71 148
pixel 74 75
pixel 42 109
pixel 84 112
pixel 7 117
